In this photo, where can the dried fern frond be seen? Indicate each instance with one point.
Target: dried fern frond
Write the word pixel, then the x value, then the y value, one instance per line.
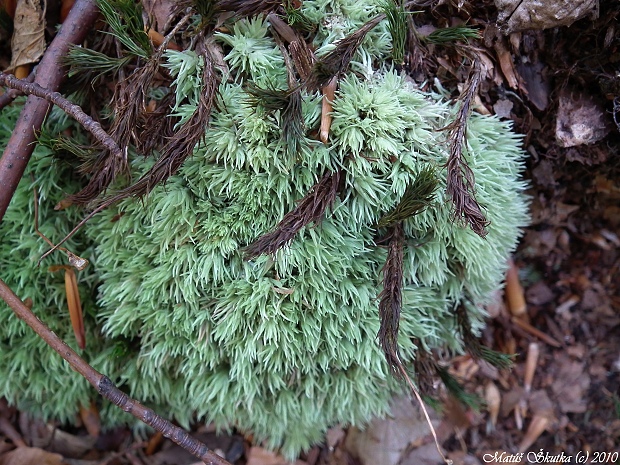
pixel 390 298
pixel 309 209
pixel 182 143
pixel 461 185
pixel 336 62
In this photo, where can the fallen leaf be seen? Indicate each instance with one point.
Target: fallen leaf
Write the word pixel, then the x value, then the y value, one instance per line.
pixel 505 63
pixel 159 12
pixel 91 420
pixel 539 294
pixel 28 41
pixel 570 385
pixel 261 456
pixel 502 108
pixel 384 441
pixel 30 456
pixel 536 83
pixel 580 120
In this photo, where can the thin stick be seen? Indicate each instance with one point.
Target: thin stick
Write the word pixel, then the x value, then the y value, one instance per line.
pixel 92 126
pixel 49 75
pixel 104 385
pixel 11 94
pixel 421 403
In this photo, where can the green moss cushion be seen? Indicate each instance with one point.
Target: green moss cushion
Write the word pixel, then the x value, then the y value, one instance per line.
pixel 283 346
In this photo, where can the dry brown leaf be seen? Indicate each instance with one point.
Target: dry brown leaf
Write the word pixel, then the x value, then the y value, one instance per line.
pixel 159 11
pixel 505 63
pixel 59 441
pixel 90 419
pixel 30 456
pixel 571 385
pixel 386 441
pixel 28 41
pixel 260 456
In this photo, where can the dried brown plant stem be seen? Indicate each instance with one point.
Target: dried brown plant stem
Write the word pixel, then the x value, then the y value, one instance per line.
pixel 415 392
pixel 461 184
pixel 104 385
pixel 92 126
pixel 50 74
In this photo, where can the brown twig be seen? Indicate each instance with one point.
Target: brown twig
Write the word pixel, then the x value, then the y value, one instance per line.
pixel 92 126
pixel 50 74
pixel 104 385
pixel 11 94
pixel 461 185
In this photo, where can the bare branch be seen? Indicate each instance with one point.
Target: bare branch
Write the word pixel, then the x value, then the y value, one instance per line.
pixel 50 73
pixel 104 385
pixel 92 126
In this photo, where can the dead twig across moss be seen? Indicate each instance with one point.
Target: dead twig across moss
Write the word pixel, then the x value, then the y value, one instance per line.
pixel 309 209
pixel 129 107
pixel 11 94
pixel 104 385
pixel 50 73
pixel 461 184
pixel 92 126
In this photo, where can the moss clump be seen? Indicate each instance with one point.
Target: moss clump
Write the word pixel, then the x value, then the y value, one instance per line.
pixel 284 345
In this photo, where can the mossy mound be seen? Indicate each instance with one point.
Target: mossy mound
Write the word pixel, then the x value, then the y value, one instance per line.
pixel 285 345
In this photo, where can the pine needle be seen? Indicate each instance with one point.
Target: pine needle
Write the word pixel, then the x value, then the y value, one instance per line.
pixel 397 25
pixel 86 61
pixel 449 35
pixel 125 19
